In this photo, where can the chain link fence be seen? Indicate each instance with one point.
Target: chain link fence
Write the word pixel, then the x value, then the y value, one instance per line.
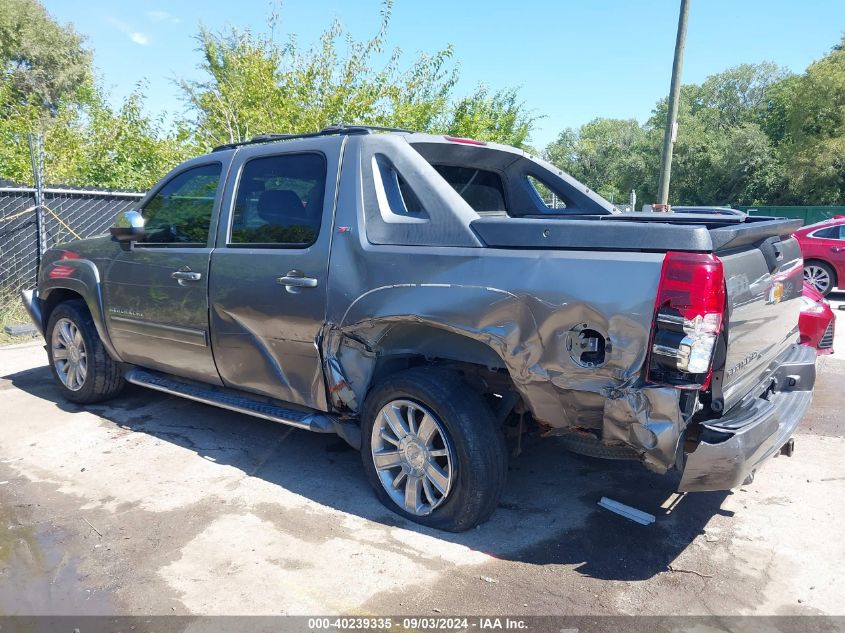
pixel 28 228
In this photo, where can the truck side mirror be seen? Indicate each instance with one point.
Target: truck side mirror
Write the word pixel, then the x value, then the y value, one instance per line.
pixel 128 227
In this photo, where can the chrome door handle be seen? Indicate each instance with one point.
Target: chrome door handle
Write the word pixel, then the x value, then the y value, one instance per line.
pixel 837 249
pixel 183 275
pixel 296 279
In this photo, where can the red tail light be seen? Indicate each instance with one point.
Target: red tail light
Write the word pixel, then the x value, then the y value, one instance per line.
pixel 688 318
pixel 465 141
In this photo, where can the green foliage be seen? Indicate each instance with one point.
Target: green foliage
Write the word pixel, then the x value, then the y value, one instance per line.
pixel 606 154
pixel 94 144
pixel 257 84
pixel 12 312
pixel 47 88
pixel 42 61
pixel 16 121
pixel 738 95
pixel 815 145
pixel 753 134
pixel 89 143
pixel 499 117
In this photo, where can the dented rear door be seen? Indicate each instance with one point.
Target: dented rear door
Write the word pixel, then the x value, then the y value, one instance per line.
pixel 269 273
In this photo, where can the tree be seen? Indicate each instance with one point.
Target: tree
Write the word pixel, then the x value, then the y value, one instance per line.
pixel 815 138
pixel 254 84
pixel 47 87
pixel 89 143
pixel 97 145
pixel 17 120
pixel 42 61
pixel 740 94
pixel 499 117
pixel 606 154
pixel 724 154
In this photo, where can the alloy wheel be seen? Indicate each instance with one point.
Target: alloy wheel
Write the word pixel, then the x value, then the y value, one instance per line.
pixel 818 277
pixel 412 456
pixel 70 358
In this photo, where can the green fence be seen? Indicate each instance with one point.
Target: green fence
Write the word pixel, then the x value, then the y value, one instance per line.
pixel 810 215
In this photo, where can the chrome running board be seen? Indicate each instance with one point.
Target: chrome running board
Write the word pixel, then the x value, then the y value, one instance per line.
pixel 239 402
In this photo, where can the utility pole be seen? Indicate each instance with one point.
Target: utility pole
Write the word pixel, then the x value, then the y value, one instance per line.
pixel 672 115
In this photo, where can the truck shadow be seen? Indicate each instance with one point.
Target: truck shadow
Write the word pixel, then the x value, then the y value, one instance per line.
pixel 548 514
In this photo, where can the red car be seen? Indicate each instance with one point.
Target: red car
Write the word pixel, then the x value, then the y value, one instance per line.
pixel 823 247
pixel 816 322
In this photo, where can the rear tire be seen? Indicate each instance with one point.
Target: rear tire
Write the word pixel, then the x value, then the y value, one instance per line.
pixel 432 449
pixel 820 275
pixel 591 447
pixel 80 365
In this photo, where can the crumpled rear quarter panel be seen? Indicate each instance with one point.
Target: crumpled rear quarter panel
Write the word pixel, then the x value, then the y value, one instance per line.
pixel 518 303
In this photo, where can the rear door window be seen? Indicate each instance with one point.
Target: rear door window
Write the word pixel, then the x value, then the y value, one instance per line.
pixel 280 201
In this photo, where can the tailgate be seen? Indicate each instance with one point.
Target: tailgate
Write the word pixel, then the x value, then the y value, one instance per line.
pixel 764 280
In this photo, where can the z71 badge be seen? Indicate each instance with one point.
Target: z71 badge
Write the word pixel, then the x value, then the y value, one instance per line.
pixel 775 293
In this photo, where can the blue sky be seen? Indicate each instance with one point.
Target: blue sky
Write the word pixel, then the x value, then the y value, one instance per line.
pixel 573 60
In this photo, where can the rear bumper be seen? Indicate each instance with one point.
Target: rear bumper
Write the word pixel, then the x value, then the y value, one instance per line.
pixel 733 447
pixel 33 307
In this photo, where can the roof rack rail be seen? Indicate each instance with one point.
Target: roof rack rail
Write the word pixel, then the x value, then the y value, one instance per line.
pixel 340 128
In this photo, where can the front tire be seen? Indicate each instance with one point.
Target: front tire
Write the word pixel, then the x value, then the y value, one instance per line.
pixel 432 449
pixel 820 275
pixel 80 365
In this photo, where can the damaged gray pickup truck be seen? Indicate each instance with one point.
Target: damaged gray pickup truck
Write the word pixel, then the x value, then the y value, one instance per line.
pixel 415 295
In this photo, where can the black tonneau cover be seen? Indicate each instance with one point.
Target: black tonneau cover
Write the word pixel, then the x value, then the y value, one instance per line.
pixel 649 232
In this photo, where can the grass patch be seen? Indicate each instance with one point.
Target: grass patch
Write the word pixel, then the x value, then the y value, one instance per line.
pixel 12 312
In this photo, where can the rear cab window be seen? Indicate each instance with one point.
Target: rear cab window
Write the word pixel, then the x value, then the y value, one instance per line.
pixel 496 180
pixel 481 189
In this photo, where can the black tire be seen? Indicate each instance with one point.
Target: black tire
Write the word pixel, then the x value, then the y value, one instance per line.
pixel 103 378
pixel 591 447
pixel 476 440
pixel 827 268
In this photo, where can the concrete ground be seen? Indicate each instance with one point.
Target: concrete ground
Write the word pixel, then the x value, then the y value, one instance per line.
pixel 157 505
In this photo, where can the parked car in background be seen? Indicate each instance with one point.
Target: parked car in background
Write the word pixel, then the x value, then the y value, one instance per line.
pixel 817 321
pixel 823 246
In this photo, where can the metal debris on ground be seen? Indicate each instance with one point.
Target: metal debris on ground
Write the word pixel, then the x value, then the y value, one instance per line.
pixel 638 516
pixel 21 330
pixel 688 571
pixel 100 534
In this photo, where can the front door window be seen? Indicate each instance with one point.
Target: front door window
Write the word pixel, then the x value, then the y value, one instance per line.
pixel 180 213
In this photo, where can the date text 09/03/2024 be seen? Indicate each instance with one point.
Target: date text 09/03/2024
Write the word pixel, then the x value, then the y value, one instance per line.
pixel 417 623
